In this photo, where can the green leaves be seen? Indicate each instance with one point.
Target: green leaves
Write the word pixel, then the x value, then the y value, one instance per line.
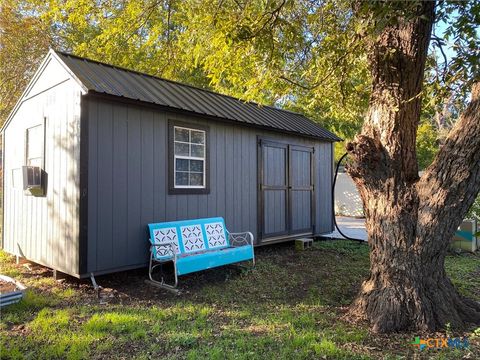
pixel 306 56
pixel 302 55
pixel 427 144
pixel 474 212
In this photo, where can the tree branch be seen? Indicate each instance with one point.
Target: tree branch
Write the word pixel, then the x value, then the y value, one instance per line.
pixel 451 184
pixel 351 49
pixel 440 43
pixel 271 20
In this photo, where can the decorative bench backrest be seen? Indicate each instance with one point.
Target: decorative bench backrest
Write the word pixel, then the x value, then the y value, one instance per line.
pixel 188 236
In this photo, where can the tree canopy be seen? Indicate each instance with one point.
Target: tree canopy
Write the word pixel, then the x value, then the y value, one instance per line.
pixel 307 56
pixel 299 55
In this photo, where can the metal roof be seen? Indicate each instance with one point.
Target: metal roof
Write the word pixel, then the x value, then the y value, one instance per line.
pixel 107 79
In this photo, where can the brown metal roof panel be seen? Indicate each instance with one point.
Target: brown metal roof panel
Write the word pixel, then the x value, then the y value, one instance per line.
pixel 230 108
pixel 184 95
pixel 284 119
pixel 250 114
pixel 105 78
pixel 87 82
pixel 128 85
pixel 116 81
pixel 162 96
pixel 176 97
pixel 101 82
pixel 203 103
pixel 260 115
pixel 300 121
pixel 156 96
pixel 90 79
pixel 221 107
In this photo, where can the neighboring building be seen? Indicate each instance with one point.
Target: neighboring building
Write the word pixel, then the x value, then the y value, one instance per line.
pixel 347 198
pixel 119 149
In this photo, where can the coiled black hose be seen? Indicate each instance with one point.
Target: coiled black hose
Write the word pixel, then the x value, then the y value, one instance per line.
pixel 333 202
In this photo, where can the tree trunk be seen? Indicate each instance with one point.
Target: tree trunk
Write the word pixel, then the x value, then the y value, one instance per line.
pixel 410 220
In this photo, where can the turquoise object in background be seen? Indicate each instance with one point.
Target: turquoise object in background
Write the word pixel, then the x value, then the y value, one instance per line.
pixel 465 237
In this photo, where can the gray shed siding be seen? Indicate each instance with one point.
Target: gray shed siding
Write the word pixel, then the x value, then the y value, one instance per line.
pixel 45 229
pixel 128 175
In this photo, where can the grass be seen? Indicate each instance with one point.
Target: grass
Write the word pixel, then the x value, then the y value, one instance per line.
pixel 464 271
pixel 291 306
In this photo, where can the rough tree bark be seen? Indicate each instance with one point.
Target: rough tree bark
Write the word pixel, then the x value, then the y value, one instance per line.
pixel 410 220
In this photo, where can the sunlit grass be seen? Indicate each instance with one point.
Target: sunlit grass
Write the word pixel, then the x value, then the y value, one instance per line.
pixel 7 265
pixel 464 271
pixel 289 307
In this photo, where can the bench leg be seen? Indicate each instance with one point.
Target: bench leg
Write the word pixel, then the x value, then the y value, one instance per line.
pixel 253 263
pixel 244 267
pixel 162 284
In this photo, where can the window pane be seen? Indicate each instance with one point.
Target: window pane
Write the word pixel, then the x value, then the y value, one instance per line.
pixel 189 156
pixel 181 178
pixel 181 135
pixel 35 142
pixel 196 165
pixel 181 149
pixel 198 137
pixel 17 178
pixel 196 179
pixel 198 150
pixel 181 165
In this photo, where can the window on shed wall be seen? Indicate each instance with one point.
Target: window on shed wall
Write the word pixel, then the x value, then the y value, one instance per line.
pixel 189 158
pixel 17 180
pixel 35 137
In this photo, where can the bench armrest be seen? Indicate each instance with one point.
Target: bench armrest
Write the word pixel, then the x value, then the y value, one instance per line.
pixel 169 247
pixel 241 239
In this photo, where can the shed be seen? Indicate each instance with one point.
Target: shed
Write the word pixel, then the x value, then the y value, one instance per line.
pixel 106 150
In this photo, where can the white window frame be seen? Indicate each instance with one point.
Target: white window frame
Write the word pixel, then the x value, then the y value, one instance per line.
pixel 17 180
pixel 185 157
pixel 28 141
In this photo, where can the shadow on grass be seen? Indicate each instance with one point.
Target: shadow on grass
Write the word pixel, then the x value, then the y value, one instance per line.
pixel 288 307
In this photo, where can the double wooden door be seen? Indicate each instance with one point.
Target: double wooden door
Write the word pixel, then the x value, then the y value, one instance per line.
pixel 286 189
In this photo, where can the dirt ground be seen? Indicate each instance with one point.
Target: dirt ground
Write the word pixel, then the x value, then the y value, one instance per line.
pixel 292 304
pixel 7 286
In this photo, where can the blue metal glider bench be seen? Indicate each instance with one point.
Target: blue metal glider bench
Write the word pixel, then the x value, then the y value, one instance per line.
pixel 195 245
